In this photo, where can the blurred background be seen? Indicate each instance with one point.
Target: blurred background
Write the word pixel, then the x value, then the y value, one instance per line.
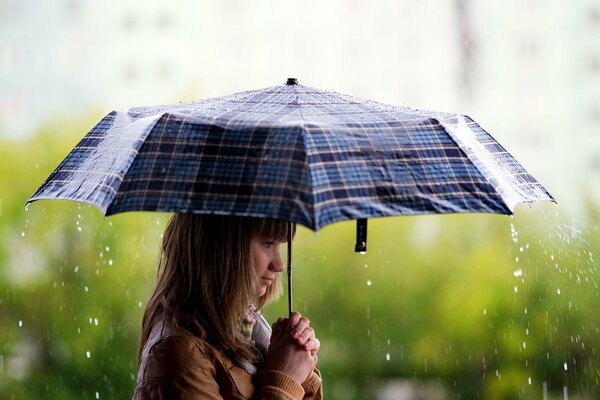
pixel 441 307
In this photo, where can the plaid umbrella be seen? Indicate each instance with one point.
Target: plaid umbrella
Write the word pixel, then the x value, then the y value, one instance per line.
pixel 293 153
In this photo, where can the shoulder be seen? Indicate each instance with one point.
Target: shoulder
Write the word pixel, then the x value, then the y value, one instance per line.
pixel 169 353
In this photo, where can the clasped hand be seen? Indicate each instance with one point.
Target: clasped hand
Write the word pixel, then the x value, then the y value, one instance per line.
pixel 293 347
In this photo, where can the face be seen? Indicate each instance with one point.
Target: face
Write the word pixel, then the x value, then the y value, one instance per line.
pixel 267 261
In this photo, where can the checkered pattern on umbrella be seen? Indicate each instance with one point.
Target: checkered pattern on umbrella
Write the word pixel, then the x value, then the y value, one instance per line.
pixel 294 153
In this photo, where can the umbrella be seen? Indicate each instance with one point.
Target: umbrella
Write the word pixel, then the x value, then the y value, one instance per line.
pixel 294 153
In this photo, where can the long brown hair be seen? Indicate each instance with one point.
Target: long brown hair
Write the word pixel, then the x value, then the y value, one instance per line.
pixel 206 279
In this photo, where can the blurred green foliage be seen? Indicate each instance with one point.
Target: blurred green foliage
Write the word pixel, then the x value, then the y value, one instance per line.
pixel 483 306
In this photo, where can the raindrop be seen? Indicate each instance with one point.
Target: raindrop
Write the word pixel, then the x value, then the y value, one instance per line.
pixel 107 249
pixel 27 206
pixel 157 222
pixel 558 291
pixel 96 321
pixel 20 323
pixel 140 304
pixel 22 234
pixel 79 228
pixel 524 345
pixel 76 268
pixel 529 380
pixel 86 289
pixel 521 249
pixel 88 354
pixel 518 272
pixel 369 283
pixel 565 365
pixel 484 311
pixel 552 257
pixel 101 254
pixel 516 289
pixel 516 259
pixel 97 395
pixel 387 356
pixel 110 262
pixel 366 266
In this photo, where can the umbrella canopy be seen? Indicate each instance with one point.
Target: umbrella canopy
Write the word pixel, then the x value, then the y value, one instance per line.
pixel 294 153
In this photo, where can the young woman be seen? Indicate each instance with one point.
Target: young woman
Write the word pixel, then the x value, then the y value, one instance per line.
pixel 203 334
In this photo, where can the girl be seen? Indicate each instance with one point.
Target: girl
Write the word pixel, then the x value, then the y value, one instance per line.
pixel 203 334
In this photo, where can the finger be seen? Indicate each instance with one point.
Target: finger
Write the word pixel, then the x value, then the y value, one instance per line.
pixel 279 325
pixel 313 346
pixel 302 324
pixel 293 320
pixel 307 334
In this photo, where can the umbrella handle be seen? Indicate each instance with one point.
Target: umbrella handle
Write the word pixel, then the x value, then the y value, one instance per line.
pixel 289 268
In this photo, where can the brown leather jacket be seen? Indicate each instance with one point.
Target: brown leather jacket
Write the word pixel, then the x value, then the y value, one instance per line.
pixel 178 366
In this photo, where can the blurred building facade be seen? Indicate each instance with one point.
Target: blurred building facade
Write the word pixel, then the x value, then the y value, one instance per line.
pixel 529 71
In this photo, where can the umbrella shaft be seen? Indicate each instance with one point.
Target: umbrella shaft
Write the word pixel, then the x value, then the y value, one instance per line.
pixel 289 269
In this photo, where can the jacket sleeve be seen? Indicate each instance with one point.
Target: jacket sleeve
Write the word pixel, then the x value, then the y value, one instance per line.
pixel 176 369
pixel 313 386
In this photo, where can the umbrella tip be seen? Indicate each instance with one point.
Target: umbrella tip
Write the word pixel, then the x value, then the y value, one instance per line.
pixel 291 81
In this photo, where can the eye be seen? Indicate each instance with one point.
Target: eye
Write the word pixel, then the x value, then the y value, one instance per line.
pixel 268 244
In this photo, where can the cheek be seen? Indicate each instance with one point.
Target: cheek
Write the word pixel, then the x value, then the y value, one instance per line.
pixel 258 261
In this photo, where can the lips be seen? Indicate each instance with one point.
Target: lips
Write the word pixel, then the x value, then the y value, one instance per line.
pixel 269 280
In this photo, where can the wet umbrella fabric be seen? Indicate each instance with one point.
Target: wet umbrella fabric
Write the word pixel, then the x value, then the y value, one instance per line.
pixel 293 153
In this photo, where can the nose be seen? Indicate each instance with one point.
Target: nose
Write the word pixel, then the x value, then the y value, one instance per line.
pixel 277 264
